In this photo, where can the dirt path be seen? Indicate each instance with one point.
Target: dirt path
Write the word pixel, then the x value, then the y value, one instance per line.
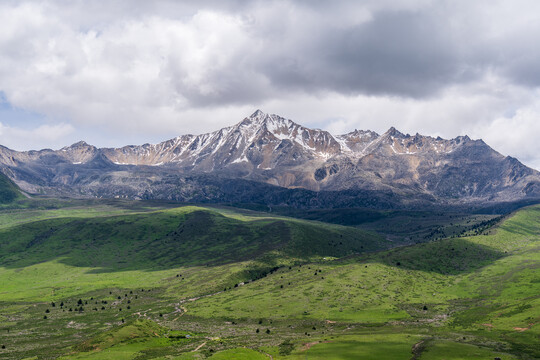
pixel 178 308
pixel 143 314
pixel 417 349
pixel 199 347
pixel 199 297
pixel 308 346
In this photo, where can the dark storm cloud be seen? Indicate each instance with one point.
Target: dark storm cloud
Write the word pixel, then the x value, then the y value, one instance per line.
pixel 397 53
pixel 251 51
pixel 403 53
pixel 517 57
pixel 162 68
pixel 413 51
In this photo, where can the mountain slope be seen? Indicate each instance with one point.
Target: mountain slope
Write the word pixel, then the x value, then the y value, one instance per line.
pixel 8 190
pixel 269 149
pixel 252 141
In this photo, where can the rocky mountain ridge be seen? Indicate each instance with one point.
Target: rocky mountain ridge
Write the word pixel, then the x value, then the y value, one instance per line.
pixel 265 148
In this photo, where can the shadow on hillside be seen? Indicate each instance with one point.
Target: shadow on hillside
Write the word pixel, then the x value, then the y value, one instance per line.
pixel 449 257
pixel 169 240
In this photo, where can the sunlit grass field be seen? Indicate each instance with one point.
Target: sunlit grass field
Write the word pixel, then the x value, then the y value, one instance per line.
pixel 195 282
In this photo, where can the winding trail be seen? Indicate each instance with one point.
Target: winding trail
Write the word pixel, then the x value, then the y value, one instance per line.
pixel 199 347
pixel 417 349
pixel 178 308
pixel 199 297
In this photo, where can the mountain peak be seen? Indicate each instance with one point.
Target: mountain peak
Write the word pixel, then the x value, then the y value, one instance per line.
pixel 462 139
pixel 273 149
pixel 78 145
pixel 257 114
pixel 394 132
pixel 79 152
pixel 257 118
pixel 261 119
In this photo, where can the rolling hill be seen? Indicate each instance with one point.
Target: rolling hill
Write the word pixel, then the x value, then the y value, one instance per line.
pixel 8 190
pixel 129 280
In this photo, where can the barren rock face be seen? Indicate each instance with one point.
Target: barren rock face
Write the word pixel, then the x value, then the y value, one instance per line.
pixel 269 149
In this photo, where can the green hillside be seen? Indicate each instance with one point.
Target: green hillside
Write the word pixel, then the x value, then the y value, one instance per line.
pixel 8 190
pixel 140 249
pixel 181 236
pixel 196 282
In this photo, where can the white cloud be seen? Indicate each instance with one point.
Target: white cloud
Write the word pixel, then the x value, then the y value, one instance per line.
pixel 134 71
pixel 41 136
pixel 128 72
pixel 517 135
pixel 503 115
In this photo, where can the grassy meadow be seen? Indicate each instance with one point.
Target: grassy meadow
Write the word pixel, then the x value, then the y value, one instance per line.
pixel 135 280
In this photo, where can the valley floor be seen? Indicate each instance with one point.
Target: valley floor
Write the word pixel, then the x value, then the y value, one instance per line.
pixel 122 280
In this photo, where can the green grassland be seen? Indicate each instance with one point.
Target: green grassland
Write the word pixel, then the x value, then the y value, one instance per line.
pixel 399 226
pixel 9 192
pixel 135 280
pixel 73 254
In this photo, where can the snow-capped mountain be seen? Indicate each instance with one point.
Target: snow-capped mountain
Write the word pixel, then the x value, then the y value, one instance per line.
pixel 270 149
pixel 256 140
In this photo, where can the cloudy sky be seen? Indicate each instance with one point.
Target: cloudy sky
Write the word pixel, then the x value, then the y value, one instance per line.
pixel 128 72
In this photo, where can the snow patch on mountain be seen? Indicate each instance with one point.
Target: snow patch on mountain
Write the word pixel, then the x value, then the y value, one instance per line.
pixel 271 139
